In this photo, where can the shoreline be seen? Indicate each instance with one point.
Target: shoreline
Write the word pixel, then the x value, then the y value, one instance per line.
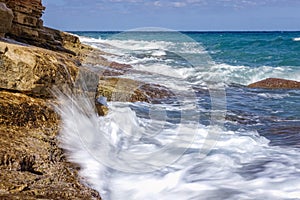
pixel 32 162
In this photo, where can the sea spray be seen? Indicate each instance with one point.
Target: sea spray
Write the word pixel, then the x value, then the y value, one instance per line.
pixel 239 167
pixel 239 164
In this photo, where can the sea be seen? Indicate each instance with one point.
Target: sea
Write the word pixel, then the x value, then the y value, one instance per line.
pixel 214 139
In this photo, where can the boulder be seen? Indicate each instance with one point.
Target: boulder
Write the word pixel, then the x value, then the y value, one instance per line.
pixel 127 90
pixel 6 16
pixel 276 83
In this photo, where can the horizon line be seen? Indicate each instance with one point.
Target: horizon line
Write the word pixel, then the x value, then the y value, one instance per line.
pixel 199 31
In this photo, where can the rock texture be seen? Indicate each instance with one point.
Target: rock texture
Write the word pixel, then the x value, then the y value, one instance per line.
pixel 127 90
pixel 33 70
pixel 32 166
pixel 27 26
pixel 276 83
pixel 6 16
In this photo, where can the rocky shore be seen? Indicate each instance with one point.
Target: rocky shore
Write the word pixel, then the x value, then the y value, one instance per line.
pixel 33 60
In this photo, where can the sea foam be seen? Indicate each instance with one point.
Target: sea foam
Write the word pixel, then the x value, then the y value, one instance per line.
pixel 296 39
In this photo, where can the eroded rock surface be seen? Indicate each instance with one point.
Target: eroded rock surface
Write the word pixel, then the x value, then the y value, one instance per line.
pixel 32 166
pixel 33 70
pixel 27 26
pixel 276 83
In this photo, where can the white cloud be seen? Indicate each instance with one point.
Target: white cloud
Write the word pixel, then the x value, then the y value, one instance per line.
pixel 179 4
pixel 157 3
pixel 126 1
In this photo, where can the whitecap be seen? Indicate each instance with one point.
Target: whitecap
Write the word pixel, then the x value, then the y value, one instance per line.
pixel 243 75
pixel 296 39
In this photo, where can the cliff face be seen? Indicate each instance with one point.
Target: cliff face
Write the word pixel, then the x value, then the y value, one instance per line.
pixel 27 26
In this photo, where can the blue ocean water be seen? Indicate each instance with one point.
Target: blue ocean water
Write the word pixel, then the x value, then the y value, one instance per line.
pixel 217 139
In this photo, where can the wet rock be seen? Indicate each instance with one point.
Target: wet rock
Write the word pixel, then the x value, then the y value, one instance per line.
pixel 94 57
pixel 6 16
pixel 127 90
pixel 276 83
pixel 32 166
pixel 101 106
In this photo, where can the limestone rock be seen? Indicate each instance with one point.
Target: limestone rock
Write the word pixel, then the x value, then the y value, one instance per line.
pixel 6 16
pixel 26 21
pixel 33 70
pixel 127 90
pixel 27 26
pixel 276 83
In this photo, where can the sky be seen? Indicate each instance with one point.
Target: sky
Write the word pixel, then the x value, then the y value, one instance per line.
pixel 184 15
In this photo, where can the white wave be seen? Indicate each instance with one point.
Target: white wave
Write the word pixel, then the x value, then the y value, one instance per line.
pixel 159 53
pixel 166 70
pixel 118 45
pixel 243 75
pixel 240 166
pixel 273 96
pixel 84 39
pixel 228 74
pixel 296 39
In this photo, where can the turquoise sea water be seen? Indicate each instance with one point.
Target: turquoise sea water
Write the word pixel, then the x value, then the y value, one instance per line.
pixel 217 139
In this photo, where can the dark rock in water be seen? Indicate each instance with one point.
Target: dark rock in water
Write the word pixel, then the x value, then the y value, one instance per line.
pixel 6 16
pixel 276 83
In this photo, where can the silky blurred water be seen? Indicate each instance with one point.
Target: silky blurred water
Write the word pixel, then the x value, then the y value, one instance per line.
pixel 176 149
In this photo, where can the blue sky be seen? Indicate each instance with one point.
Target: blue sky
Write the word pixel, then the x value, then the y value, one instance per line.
pixel 201 15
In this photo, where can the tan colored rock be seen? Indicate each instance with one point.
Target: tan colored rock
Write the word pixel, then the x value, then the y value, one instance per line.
pixel 6 16
pixel 101 109
pixel 276 83
pixel 27 26
pixel 32 166
pixel 127 90
pixel 25 19
pixel 34 70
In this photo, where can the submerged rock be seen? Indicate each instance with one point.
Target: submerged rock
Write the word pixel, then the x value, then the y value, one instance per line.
pixel 276 83
pixel 6 16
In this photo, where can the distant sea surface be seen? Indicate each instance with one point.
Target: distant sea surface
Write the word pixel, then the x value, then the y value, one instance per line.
pixel 255 149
